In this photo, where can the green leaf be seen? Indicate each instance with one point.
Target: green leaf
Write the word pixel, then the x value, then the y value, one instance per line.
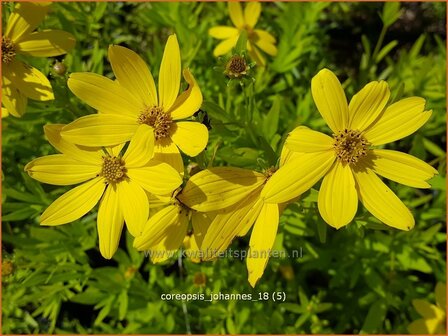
pixel 385 50
pixel 391 13
pixel 375 318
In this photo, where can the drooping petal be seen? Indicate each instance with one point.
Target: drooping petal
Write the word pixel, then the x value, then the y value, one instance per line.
pixel 225 46
pixel 367 105
pixel 338 199
pixel 330 99
pixel 227 225
pixel 74 204
pixel 261 242
pixel 134 204
pixel 46 43
pixel 156 227
pixel 267 47
pixel 398 121
pixel 252 13
pixel 305 140
pixel 191 137
pixel 91 155
pixel 104 94
pixel 200 222
pixel 141 147
pixel 28 80
pixel 133 74
pixel 256 55
pixel 189 101
pixel 402 168
pixel 156 177
pixel 297 176
pixel 167 151
pixel 381 202
pixel 236 13
pixel 222 32
pixel 109 222
pixel 220 187
pixel 14 101
pixel 25 18
pixel 60 169
pixel 169 76
pixel 100 130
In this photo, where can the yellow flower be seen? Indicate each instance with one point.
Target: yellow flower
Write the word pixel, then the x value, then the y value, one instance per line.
pixel 235 194
pixel 19 80
pixel 434 316
pixel 166 230
pixel 256 38
pixel 348 161
pixel 121 182
pixel 132 100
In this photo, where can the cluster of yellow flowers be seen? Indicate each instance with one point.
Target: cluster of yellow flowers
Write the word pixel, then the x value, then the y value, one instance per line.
pixel 127 156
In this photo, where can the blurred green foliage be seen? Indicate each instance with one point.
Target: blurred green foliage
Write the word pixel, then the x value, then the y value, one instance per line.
pixel 361 279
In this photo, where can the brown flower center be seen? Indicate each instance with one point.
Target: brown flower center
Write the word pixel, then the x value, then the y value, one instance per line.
pixel 236 66
pixel 350 146
pixel 8 50
pixel 157 119
pixel 114 169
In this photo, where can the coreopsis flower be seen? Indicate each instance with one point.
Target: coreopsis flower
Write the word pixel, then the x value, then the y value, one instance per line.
pixel 19 80
pixel 256 38
pixel 235 194
pixel 132 100
pixel 167 229
pixel 348 160
pixel 433 319
pixel 118 182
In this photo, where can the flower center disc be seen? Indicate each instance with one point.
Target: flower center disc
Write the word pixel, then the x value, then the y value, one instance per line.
pixel 350 146
pixel 8 50
pixel 236 66
pixel 157 119
pixel 114 169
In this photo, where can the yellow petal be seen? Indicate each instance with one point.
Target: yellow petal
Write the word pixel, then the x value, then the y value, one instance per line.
pixel 46 43
pixel 91 155
pixel 192 251
pixel 189 101
pixel 60 169
pixel 25 18
pixel 264 35
pixel 338 199
pixel 255 55
pixel 100 130
pixel 419 327
pixel 381 202
pixel 267 47
pixel 225 46
pixel 74 204
pixel 427 310
pixel 167 151
pixel 222 32
pixel 330 99
pixel 5 112
pixel 236 13
pixel 297 176
pixel 14 101
pixel 109 222
pixel 220 187
pixel 156 227
pixel 133 74
pixel 402 168
pixel 141 147
pixel 227 225
pixel 191 137
pixel 287 155
pixel 104 94
pixel 200 222
pixel 367 105
pixel 261 242
pixel 252 13
pixel 440 293
pixel 156 177
pixel 134 204
pixel 169 75
pixel 302 139
pixel 398 121
pixel 29 81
